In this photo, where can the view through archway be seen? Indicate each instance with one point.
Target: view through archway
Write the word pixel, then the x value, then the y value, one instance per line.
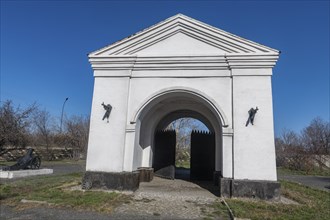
pixel 185 149
pixel 183 128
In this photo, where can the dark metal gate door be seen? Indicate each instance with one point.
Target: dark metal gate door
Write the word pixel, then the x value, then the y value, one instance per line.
pixel 202 161
pixel 164 154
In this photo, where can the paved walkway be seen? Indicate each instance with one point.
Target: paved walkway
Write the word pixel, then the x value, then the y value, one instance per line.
pixel 319 182
pixel 170 199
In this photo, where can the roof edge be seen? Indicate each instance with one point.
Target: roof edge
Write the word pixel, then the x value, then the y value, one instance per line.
pixel 137 33
pixel 189 19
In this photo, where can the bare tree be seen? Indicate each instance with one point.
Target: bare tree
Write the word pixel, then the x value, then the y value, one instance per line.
pixel 316 140
pixel 183 128
pixel 304 151
pixel 44 130
pixel 316 137
pixel 289 152
pixel 14 125
pixel 77 131
pixel 20 127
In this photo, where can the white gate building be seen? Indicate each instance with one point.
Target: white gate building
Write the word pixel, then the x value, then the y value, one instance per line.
pixel 177 68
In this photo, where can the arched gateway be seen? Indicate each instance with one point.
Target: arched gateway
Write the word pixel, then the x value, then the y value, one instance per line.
pixel 183 68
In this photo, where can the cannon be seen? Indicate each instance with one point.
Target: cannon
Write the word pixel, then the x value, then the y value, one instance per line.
pixel 28 161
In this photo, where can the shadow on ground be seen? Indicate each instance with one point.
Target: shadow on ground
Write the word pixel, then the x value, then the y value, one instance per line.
pixel 184 174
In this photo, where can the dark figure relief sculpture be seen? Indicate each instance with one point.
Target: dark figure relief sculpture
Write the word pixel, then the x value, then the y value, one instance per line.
pixel 28 161
pixel 252 112
pixel 107 109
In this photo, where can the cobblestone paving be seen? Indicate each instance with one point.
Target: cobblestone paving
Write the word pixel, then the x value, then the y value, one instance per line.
pixel 168 199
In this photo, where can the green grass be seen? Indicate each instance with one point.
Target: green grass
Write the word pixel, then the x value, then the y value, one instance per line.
pixel 219 210
pixel 7 163
pixel 313 204
pixel 48 163
pixel 55 190
pixel 183 164
pixel 314 172
pixel 66 161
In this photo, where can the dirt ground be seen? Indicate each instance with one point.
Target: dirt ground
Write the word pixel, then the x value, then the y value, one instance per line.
pixel 159 199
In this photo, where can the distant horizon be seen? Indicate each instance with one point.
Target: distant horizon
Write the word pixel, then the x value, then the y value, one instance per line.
pixel 44 48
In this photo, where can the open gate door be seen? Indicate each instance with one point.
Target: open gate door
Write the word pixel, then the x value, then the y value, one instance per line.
pixel 164 154
pixel 202 161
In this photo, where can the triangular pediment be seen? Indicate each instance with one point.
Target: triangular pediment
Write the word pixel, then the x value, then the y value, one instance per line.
pixel 180 44
pixel 181 35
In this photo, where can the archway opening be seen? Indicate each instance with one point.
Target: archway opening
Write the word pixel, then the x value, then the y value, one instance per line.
pixel 161 110
pixel 184 148
pixel 183 128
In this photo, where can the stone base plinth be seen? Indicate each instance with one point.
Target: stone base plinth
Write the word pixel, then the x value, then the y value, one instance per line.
pixel 146 174
pixel 114 181
pixel 24 173
pixel 249 188
pixel 216 176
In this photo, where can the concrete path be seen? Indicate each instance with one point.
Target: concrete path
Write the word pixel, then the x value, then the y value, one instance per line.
pixel 170 199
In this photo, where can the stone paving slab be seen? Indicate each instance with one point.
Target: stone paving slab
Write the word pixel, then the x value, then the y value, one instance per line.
pixel 24 173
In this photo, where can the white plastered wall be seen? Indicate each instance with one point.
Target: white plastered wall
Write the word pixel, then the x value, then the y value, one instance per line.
pixel 107 140
pixel 254 151
pixel 217 88
pixel 112 146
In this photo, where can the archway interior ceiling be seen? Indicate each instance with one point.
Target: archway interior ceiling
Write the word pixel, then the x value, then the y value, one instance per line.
pixel 177 105
pixel 163 124
pixel 174 108
pixel 161 111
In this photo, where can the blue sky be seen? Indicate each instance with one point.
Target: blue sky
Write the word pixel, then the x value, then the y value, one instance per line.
pixel 44 47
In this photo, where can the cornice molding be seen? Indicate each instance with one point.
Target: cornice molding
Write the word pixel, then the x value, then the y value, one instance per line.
pixel 219 52
pixel 162 63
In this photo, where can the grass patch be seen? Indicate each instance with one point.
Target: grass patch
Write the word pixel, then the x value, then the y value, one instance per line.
pixel 313 204
pixel 220 209
pixel 315 172
pixel 54 190
pixel 66 161
pixel 215 210
pixel 7 163
pixel 183 164
pixel 48 163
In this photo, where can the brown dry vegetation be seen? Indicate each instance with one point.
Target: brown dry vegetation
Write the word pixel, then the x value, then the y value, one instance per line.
pixel 32 127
